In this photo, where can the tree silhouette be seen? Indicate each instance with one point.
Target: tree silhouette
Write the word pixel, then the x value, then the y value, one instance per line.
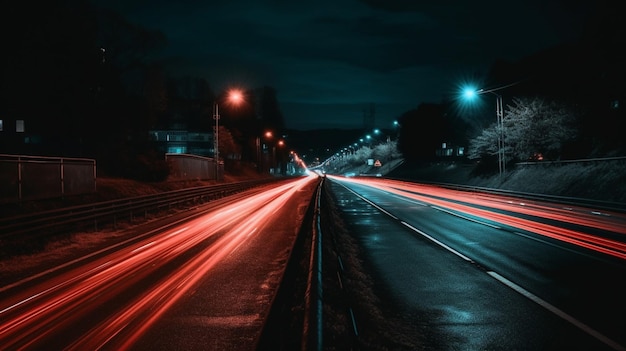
pixel 537 128
pixel 533 129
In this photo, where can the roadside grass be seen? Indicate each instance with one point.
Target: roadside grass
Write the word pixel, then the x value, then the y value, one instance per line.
pixel 12 267
pixel 602 181
pixel 18 259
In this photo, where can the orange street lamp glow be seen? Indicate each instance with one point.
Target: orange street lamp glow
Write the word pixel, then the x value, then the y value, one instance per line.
pixel 235 96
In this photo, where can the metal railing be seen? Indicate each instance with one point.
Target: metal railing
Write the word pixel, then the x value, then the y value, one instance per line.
pixel 95 216
pixel 574 201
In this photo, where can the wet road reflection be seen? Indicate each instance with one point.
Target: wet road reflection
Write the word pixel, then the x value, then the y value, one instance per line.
pixel 438 251
pixel 551 220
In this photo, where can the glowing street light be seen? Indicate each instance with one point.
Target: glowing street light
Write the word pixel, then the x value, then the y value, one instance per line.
pixel 260 147
pixel 471 93
pixel 235 97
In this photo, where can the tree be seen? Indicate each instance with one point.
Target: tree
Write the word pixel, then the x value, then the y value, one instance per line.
pixel 229 149
pixel 386 151
pixel 485 145
pixel 534 127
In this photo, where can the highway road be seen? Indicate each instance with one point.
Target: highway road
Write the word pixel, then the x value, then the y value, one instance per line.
pixel 451 270
pixel 470 271
pixel 200 280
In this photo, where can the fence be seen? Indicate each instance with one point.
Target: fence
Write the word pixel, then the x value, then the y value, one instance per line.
pixel 193 167
pixel 580 161
pixel 39 177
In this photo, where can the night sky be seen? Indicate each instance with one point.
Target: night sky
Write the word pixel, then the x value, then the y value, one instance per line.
pixel 330 60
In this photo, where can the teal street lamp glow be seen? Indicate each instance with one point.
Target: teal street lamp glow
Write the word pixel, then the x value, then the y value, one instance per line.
pixel 469 94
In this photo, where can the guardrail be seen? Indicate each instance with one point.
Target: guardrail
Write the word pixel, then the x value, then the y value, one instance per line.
pixel 581 160
pixel 573 201
pixel 24 228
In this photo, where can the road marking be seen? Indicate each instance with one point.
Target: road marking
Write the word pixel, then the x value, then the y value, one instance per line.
pixel 556 311
pixel 437 242
pixel 456 214
pixel 371 203
pixel 585 328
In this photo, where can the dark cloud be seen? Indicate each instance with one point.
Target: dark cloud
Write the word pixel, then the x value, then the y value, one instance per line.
pixel 336 56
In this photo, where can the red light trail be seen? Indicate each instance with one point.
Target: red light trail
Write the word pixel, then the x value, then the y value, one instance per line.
pixel 466 203
pixel 63 306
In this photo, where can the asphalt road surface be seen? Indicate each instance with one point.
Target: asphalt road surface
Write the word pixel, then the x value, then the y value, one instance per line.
pixel 471 272
pixel 448 270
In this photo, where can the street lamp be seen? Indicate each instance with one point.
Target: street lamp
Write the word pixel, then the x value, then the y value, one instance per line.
pixel 275 163
pixel 216 152
pixel 260 147
pixel 235 96
pixel 469 93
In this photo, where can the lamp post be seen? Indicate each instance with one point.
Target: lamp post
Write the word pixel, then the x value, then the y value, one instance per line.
pixel 216 146
pixel 260 146
pixel 470 94
pixel 235 97
pixel 277 163
pixel 500 117
pixel 500 130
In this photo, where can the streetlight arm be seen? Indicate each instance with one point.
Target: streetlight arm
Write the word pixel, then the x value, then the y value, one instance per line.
pixel 482 91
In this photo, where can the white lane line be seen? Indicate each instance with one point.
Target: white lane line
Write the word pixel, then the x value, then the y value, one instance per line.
pixel 507 282
pixel 371 203
pixel 529 295
pixel 437 242
pixel 456 214
pixel 557 311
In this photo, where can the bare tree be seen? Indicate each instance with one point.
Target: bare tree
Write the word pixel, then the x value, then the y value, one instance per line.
pixel 536 128
pixel 533 128
pixel 484 145
pixel 386 151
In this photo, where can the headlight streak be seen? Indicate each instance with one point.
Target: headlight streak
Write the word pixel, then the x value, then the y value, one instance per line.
pixel 185 278
pixel 47 309
pixel 613 223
